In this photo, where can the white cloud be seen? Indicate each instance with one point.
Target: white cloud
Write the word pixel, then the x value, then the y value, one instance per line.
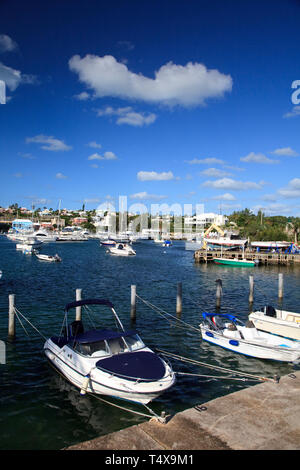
pixel 258 158
pixel 294 113
pixel 143 196
pixel 94 145
pixel 128 116
pixel 154 176
pixel 286 152
pixel 105 156
pixel 188 85
pixel 83 96
pixel 13 78
pixel 228 183
pixel 60 176
pixel 50 143
pixel 7 44
pixel 205 161
pixel 225 197
pixel 215 173
pixel 292 190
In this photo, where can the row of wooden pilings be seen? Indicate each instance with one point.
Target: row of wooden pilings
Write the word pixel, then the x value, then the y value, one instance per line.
pixel 133 300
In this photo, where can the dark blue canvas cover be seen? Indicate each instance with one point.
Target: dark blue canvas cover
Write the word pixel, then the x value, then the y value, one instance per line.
pixel 143 365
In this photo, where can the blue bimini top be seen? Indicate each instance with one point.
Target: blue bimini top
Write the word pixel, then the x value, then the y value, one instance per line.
pixel 144 365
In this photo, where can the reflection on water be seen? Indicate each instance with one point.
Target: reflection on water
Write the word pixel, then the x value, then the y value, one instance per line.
pixel 41 410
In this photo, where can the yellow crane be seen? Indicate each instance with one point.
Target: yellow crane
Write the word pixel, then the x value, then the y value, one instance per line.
pixel 212 227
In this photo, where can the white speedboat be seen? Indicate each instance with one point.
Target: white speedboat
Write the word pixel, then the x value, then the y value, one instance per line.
pixel 108 362
pixel 45 236
pixel 43 257
pixel 228 332
pixel 122 249
pixel 276 321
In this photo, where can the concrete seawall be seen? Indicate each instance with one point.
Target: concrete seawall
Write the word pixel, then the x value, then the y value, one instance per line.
pixel 261 417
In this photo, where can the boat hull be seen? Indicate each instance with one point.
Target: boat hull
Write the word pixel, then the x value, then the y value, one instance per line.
pixel 101 382
pixel 288 328
pixel 234 262
pixel 280 352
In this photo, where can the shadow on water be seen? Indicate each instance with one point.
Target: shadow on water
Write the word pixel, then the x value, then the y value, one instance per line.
pixel 41 410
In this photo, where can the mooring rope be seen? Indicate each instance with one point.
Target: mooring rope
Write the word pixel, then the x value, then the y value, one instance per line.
pixel 17 312
pixel 164 313
pixel 222 369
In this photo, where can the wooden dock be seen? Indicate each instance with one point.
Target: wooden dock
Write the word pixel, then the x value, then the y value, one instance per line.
pixel 207 256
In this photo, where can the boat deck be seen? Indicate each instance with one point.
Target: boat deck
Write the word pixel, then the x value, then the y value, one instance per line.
pixel 207 256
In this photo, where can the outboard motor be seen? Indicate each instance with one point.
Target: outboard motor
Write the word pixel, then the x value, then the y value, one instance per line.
pixel 270 311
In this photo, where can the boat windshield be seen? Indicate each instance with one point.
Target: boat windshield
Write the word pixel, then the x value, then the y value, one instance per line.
pixel 110 347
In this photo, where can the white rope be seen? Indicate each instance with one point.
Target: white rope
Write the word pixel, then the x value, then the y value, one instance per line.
pixel 149 304
pixel 17 311
pixel 210 366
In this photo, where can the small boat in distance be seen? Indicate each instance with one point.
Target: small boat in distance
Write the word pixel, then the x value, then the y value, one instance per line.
pixel 108 362
pixel 230 333
pixel 277 321
pixel 122 249
pixel 43 257
pixel 235 262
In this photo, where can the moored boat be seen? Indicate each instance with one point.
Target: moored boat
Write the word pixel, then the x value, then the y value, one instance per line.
pixel 230 333
pixel 235 262
pixel 108 362
pixel 277 321
pixel 122 249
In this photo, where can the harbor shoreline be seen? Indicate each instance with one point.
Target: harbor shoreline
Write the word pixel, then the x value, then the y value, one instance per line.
pixel 265 416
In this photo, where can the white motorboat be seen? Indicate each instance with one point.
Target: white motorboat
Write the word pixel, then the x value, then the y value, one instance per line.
pixel 107 242
pixel 28 243
pixel 43 257
pixel 45 236
pixel 228 332
pixel 276 321
pixel 108 362
pixel 122 249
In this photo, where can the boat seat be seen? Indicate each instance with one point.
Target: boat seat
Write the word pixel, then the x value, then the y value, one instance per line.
pixel 231 331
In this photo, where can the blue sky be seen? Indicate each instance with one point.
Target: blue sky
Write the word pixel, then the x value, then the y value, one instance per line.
pixel 186 102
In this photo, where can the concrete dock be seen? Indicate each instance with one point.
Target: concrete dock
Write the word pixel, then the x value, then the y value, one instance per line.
pixel 260 417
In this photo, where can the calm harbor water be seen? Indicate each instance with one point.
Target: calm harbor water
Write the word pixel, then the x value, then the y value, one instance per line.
pixel 40 410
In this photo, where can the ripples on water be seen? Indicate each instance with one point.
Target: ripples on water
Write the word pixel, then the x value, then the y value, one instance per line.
pixel 40 410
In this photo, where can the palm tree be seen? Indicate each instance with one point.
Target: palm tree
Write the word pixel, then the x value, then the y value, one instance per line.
pixel 295 226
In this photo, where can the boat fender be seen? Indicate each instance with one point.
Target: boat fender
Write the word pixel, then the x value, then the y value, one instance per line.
pixel 84 385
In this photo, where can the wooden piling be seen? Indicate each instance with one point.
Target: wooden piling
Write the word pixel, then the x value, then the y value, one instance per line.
pixel 280 286
pixel 133 303
pixel 218 292
pixel 78 309
pixel 251 289
pixel 11 317
pixel 179 299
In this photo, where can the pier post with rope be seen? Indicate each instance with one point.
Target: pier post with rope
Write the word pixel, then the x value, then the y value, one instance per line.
pixel 280 286
pixel 218 292
pixel 133 304
pixel 251 289
pixel 78 309
pixel 179 299
pixel 11 318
